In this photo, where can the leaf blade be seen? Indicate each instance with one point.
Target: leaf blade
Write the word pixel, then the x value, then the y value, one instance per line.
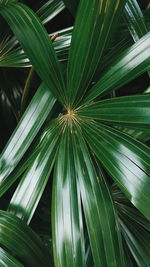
pixel 134 237
pixel 128 110
pixel 66 210
pixel 100 216
pixel 94 24
pixel 26 26
pixel 25 132
pixel 49 10
pixel 135 20
pixel 7 260
pixel 30 189
pixel 131 63
pixel 120 155
pixel 14 232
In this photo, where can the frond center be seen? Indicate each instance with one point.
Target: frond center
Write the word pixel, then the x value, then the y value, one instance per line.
pixel 70 114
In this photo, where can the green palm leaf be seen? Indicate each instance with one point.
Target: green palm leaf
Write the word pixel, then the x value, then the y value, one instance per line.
pixel 137 240
pixel 130 64
pixel 15 57
pixel 11 56
pixel 128 110
pixel 135 19
pixel 62 43
pixel 66 210
pixel 126 159
pixel 15 232
pixel 135 228
pixel 83 138
pixel 35 42
pixel 100 216
pixel 7 260
pixel 49 10
pixel 25 132
pixel 93 28
pixel 32 185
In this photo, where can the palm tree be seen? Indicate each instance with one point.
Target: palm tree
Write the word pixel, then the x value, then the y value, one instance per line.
pixel 85 130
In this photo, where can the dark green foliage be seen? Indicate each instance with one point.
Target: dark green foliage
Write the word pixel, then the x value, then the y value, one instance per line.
pixel 76 167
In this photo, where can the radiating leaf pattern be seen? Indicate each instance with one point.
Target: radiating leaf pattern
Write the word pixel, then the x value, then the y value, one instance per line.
pixel 93 28
pixel 75 179
pixel 67 219
pixel 100 216
pixel 11 56
pixel 128 110
pixel 75 144
pixel 126 159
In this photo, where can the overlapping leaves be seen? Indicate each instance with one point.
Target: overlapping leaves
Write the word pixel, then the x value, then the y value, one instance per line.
pixel 76 179
pixel 14 232
pixel 90 37
pixel 78 141
pixel 126 159
pixel 35 41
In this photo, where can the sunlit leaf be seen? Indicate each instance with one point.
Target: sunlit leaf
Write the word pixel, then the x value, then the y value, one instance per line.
pixel 49 10
pixel 7 260
pixel 128 110
pixel 130 64
pixel 32 185
pixel 135 19
pixel 94 26
pixel 100 216
pixel 125 159
pixel 67 222
pixel 25 132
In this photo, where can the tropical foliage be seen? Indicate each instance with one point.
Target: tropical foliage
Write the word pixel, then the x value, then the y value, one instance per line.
pixel 74 173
